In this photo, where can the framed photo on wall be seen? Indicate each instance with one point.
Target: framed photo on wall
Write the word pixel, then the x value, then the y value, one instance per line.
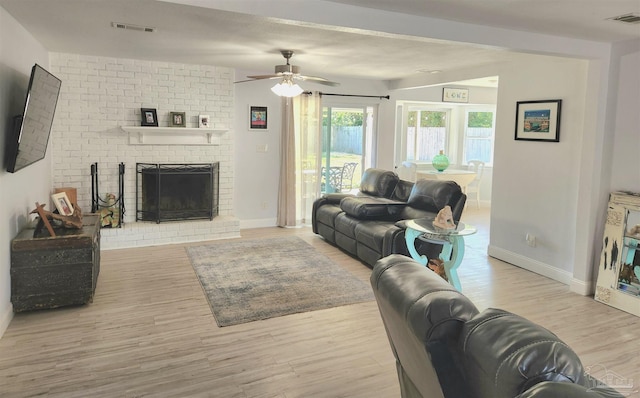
pixel 149 117
pixel 258 118
pixel 538 120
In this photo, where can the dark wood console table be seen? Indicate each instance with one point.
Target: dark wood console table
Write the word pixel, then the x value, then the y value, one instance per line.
pixel 50 272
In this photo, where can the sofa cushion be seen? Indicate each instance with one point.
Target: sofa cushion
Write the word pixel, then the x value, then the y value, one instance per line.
pixel 402 190
pixel 326 214
pixel 346 225
pixel 433 195
pixel 378 182
pixel 371 233
pixel 505 355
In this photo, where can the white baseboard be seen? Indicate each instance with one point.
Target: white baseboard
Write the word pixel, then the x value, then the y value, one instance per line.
pixel 531 265
pixel 258 223
pixel 5 318
pixel 581 287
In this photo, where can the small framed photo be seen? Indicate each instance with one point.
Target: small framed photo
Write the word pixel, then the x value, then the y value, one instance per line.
pixel 455 94
pixel 177 119
pixel 258 118
pixel 538 120
pixel 204 121
pixel 149 117
pixel 62 203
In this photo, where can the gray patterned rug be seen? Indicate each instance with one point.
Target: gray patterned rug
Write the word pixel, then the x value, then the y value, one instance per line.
pixel 265 278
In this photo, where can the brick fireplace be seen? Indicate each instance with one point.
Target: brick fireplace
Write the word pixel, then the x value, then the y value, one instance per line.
pixel 101 96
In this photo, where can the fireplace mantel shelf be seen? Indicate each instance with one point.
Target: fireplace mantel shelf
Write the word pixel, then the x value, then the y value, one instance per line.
pixel 172 135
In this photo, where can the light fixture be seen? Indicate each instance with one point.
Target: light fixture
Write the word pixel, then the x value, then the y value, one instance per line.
pixel 287 88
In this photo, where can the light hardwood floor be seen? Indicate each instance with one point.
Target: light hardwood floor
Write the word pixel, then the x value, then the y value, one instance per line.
pixel 150 332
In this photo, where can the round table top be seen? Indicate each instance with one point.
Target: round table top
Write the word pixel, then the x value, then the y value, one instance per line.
pixel 426 225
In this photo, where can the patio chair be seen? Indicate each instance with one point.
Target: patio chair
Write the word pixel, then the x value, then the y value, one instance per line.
pixel 347 176
pixel 335 179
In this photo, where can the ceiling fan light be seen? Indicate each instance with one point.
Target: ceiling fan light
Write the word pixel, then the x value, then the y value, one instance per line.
pixel 287 89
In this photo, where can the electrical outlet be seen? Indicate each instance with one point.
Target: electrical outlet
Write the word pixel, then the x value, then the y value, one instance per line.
pixel 264 205
pixel 531 240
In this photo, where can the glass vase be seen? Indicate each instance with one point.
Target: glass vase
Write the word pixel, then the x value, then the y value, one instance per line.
pixel 440 162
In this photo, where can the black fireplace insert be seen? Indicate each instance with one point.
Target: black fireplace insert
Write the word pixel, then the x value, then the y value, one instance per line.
pixel 174 192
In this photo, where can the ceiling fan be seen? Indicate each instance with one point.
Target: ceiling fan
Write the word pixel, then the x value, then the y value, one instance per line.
pixel 288 73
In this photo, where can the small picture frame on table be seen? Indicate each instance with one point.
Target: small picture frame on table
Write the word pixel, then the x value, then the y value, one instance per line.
pixel 62 203
pixel 177 119
pixel 538 120
pixel 149 117
pixel 204 121
pixel 258 118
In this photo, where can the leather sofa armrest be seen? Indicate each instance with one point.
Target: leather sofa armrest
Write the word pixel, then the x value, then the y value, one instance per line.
pixel 370 208
pixel 504 355
pixel 335 198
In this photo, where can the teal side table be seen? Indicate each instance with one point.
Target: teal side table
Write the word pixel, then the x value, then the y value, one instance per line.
pixel 452 241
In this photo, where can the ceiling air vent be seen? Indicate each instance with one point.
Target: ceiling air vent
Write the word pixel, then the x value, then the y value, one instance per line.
pixel 627 18
pixel 120 25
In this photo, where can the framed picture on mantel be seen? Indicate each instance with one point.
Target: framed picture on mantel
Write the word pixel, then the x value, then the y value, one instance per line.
pixel 149 117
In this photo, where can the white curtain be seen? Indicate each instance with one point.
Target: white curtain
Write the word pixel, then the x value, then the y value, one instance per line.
pixel 301 158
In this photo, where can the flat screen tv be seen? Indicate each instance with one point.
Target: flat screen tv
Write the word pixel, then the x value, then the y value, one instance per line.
pixel 28 141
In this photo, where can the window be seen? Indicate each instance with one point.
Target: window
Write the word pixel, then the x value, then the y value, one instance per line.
pixel 464 132
pixel 478 135
pixel 426 133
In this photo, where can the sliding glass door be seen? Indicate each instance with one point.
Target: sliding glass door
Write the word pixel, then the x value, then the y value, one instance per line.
pixel 347 145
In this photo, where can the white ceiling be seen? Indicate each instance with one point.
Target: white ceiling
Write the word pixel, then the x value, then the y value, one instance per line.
pixel 203 35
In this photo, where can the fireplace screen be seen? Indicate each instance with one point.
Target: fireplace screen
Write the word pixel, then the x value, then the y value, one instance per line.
pixel 173 192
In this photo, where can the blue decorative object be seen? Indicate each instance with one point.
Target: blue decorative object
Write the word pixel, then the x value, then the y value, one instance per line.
pixel 440 162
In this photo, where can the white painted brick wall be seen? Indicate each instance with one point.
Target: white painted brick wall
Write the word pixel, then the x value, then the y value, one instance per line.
pixel 100 94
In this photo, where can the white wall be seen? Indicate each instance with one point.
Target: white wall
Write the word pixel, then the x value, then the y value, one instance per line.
pixel 538 178
pixel 19 191
pixel 626 160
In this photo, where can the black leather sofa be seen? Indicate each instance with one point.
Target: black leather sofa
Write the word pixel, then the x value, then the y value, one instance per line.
pixel 445 347
pixel 369 225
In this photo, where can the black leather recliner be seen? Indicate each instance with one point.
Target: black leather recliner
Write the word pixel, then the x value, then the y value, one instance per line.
pixel 369 225
pixel 444 347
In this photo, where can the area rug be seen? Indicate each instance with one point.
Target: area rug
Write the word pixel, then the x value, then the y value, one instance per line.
pixel 258 279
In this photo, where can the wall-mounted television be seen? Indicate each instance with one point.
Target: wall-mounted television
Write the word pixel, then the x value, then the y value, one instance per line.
pixel 27 142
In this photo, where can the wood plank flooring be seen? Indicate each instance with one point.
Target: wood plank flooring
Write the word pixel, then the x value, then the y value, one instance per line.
pixel 150 332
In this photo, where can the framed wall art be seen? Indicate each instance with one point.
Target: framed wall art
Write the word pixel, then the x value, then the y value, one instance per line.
pixel 258 118
pixel 177 119
pixel 538 120
pixel 455 94
pixel 149 117
pixel 618 282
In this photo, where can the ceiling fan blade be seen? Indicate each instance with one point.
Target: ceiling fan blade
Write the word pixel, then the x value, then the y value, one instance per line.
pixel 261 77
pixel 317 79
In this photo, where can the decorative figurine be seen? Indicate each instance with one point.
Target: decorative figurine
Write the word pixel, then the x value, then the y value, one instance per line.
pixel 444 219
